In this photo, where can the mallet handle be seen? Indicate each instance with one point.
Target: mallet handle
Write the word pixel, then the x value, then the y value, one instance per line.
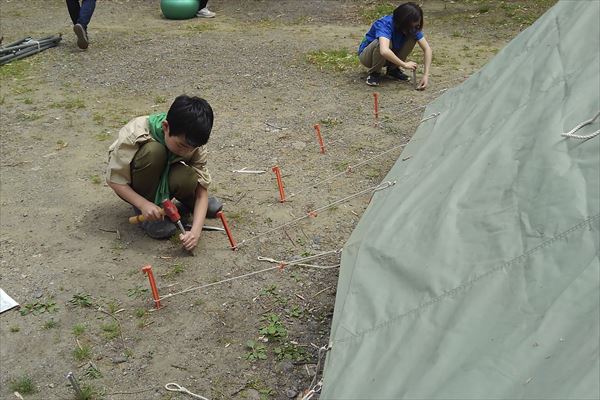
pixel 136 219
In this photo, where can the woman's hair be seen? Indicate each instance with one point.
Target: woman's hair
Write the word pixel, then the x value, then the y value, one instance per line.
pixel 405 18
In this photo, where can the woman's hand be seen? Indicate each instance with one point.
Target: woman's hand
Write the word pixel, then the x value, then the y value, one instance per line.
pixel 423 84
pixel 411 65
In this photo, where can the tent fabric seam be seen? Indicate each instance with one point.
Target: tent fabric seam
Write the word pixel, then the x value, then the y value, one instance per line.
pixel 470 283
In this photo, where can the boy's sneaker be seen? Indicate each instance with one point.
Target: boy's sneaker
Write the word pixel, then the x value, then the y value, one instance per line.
pixel 396 73
pixel 82 37
pixel 205 13
pixel 373 79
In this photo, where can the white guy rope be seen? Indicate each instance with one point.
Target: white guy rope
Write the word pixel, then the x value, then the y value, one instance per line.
pixel 285 263
pixel 571 133
pixel 381 186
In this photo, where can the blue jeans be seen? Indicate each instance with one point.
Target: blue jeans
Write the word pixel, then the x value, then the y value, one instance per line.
pixel 81 14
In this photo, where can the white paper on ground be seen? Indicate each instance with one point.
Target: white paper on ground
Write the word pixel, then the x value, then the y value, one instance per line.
pixel 6 302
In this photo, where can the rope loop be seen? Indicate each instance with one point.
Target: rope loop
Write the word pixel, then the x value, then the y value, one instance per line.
pixel 571 133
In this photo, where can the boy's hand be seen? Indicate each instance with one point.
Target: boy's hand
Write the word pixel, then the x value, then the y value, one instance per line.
pixel 411 65
pixel 151 212
pixel 189 240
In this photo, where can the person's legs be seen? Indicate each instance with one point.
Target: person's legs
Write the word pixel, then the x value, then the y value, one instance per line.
pixel 371 58
pixel 146 169
pixel 203 4
pixel 73 7
pixel 203 11
pixel 86 12
pixel 183 182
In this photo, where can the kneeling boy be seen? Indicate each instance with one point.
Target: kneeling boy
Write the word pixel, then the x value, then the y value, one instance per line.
pixel 162 156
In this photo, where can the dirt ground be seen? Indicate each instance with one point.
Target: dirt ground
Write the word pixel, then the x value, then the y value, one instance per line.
pixel 68 254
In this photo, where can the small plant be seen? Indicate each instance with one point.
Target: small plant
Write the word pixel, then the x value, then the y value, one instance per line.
pixel 160 99
pixel 137 292
pixel 111 330
pixel 69 104
pixel 175 270
pixel 370 14
pixel 329 122
pixel 82 352
pixel 113 306
pixel 140 312
pixel 337 60
pixel 95 179
pixel 15 328
pixel 27 100
pixel 296 312
pixel 50 324
pixel 38 308
pixel 78 329
pixel 256 351
pixel 290 351
pixel 101 137
pixel 200 27
pixel 274 328
pixel 88 392
pixel 81 300
pixel 23 385
pixel 92 372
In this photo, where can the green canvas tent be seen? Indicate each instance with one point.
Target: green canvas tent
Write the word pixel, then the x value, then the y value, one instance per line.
pixel 477 274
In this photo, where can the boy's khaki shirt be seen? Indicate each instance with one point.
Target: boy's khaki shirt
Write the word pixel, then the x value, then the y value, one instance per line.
pixel 131 137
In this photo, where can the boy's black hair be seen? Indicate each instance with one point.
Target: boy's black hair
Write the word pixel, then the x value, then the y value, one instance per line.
pixel 191 117
pixel 406 16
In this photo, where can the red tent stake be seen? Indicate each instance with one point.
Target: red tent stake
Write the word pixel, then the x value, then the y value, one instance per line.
pixel 148 271
pixel 227 230
pixel 320 138
pixel 279 184
pixel 376 107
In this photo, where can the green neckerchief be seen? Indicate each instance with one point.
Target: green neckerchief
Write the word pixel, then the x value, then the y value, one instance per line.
pixel 155 123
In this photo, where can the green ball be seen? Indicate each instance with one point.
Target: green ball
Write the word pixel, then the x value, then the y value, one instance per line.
pixel 179 9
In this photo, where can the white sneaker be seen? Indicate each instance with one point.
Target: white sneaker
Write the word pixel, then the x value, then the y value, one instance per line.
pixel 205 13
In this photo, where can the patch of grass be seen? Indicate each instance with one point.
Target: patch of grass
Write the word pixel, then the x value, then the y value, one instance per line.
pixel 69 104
pixel 14 70
pixel 102 137
pixel 174 270
pixel 88 392
pixel 274 328
pixel 82 300
pixel 200 27
pixel 27 100
pixel 337 60
pixel 296 312
pixel 98 117
pixel 23 384
pixel 263 390
pixel 111 330
pixel 256 351
pixel 371 13
pixel 51 324
pixel 39 308
pixel 82 352
pixel 160 99
pixel 78 329
pixel 140 312
pixel 329 122
pixel 137 292
pixel 92 372
pixel 95 179
pixel 22 116
pixel 15 328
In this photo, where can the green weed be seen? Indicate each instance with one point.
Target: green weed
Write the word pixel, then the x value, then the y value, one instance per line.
pixel 82 352
pixel 140 312
pixel 81 300
pixel 160 99
pixel 78 329
pixel 50 324
pixel 95 179
pixel 39 308
pixel 88 392
pixel 137 292
pixel 27 100
pixel 15 328
pixel 70 104
pixel 256 351
pixel 174 270
pixel 14 70
pixel 274 328
pixel 92 372
pixel 201 27
pixel 111 330
pixel 337 60
pixel 23 385
pixel 371 13
pixel 290 351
